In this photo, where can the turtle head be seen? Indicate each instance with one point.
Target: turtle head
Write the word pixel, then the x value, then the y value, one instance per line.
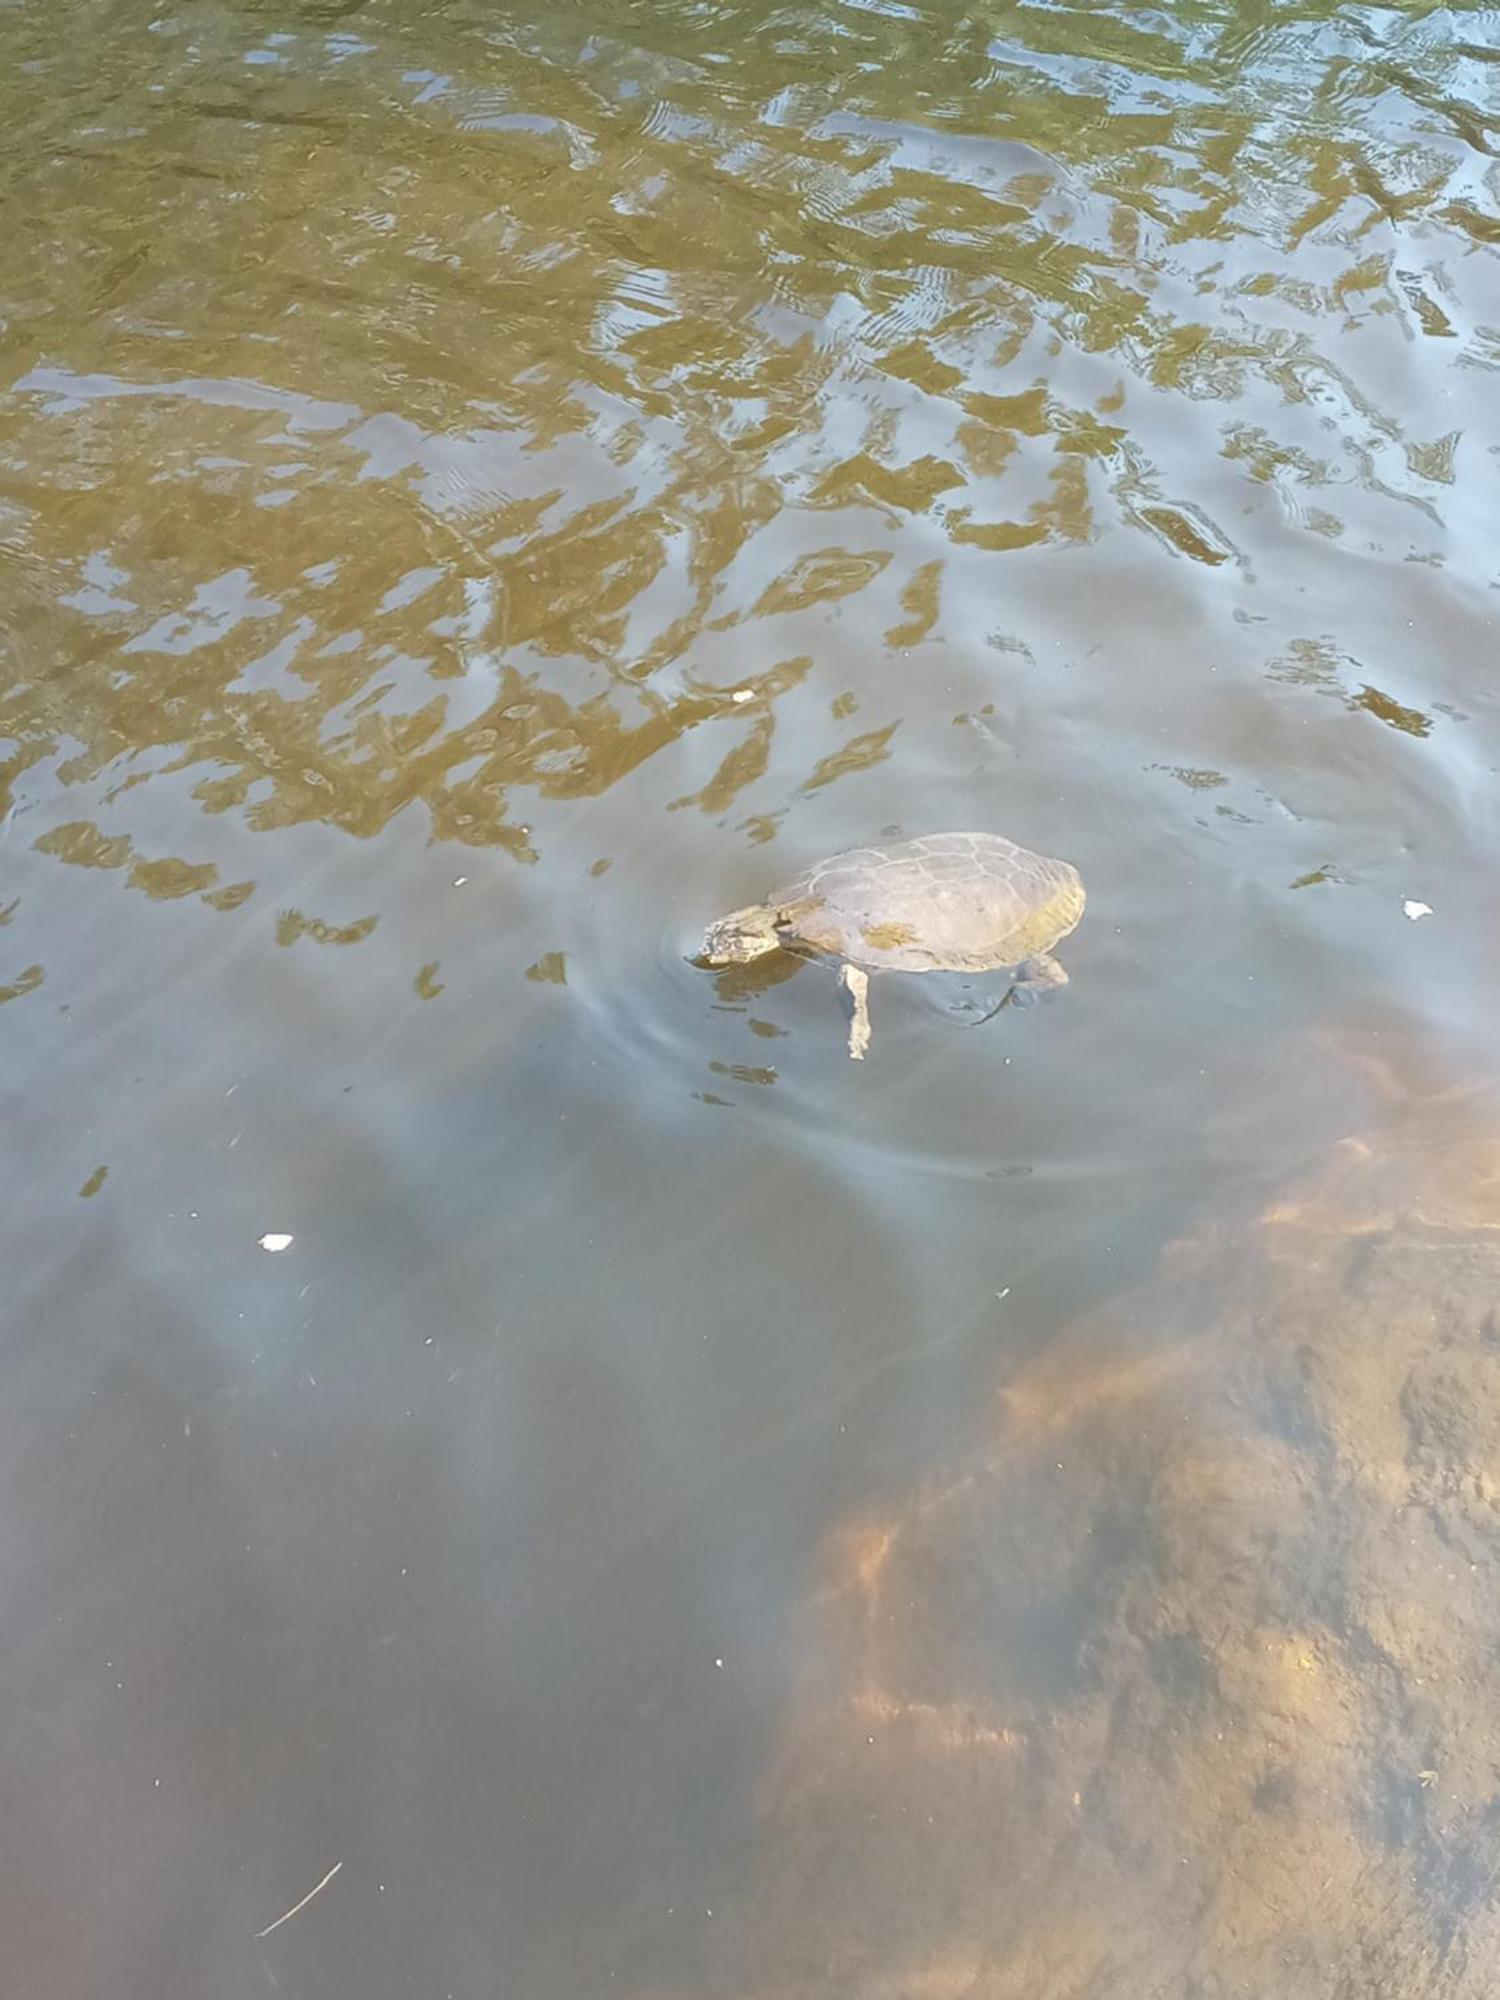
pixel 741 936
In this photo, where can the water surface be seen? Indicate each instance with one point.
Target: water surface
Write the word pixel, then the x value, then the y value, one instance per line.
pixel 482 492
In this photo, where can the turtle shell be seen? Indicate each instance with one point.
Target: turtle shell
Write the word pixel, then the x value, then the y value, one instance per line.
pixel 948 902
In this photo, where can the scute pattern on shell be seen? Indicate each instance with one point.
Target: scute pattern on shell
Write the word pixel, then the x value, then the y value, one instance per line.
pixel 947 902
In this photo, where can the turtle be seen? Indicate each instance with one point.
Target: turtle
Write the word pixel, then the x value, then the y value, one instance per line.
pixel 946 902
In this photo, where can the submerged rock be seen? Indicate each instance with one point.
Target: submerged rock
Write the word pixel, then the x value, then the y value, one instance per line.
pixel 1185 1682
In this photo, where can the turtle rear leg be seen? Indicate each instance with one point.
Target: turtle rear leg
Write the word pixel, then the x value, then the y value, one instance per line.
pixel 1037 977
pixel 856 983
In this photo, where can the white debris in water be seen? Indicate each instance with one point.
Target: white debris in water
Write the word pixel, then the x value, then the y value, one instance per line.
pixel 274 1240
pixel 1416 911
pixel 459 881
pixel 743 694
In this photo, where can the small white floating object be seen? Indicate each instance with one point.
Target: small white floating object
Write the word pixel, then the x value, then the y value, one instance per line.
pixel 274 1240
pixel 743 694
pixel 1416 910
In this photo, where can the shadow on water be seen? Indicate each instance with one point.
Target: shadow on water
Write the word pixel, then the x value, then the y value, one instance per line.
pixel 483 493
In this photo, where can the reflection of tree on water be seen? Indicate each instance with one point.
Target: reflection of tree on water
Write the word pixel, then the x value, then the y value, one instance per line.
pixel 633 366
pixel 736 983
pixel 1185 1683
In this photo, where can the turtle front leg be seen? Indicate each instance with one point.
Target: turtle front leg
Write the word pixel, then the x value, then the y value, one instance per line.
pixel 856 984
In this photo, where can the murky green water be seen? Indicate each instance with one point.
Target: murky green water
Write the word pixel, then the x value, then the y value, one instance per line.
pixel 481 493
